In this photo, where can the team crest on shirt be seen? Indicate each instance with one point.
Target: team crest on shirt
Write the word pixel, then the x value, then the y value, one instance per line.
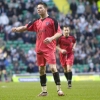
pixel 47 23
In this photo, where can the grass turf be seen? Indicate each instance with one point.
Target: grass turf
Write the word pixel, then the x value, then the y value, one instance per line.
pixel 87 90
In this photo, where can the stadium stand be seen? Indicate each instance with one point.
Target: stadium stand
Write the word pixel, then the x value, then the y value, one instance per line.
pixel 85 27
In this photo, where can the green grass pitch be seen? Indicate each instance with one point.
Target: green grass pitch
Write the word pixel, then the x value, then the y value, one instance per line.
pixel 87 90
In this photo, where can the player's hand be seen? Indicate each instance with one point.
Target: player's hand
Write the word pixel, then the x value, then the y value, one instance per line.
pixel 48 40
pixel 14 29
pixel 73 49
pixel 63 51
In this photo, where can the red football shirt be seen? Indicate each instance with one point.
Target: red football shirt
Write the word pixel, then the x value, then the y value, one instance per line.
pixel 44 28
pixel 66 43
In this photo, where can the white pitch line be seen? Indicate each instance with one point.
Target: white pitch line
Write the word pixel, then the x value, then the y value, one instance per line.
pixel 3 86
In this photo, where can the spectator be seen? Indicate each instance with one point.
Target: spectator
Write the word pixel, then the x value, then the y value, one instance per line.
pixel 77 70
pixel 31 8
pixel 85 70
pixel 91 67
pixel 94 7
pixel 8 61
pixel 19 9
pixel 15 58
pixel 88 9
pixel 4 20
pixel 16 68
pixel 80 9
pixel 2 8
pixel 30 68
pixel 73 8
pixel 10 12
pixel 26 38
pixel 97 68
pixel 35 68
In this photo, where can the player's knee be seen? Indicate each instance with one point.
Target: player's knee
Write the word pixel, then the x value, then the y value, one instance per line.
pixel 53 70
pixel 42 71
pixel 65 70
pixel 69 70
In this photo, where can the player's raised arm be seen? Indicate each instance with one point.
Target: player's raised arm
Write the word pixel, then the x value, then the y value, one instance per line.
pixel 19 29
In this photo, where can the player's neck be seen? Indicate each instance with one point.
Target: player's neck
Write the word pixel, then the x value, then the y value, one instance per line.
pixel 66 35
pixel 44 16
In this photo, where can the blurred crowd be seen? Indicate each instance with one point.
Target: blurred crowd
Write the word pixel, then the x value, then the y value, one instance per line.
pixel 83 18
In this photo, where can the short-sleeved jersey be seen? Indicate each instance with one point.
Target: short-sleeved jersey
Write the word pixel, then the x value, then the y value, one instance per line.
pixel 66 43
pixel 44 28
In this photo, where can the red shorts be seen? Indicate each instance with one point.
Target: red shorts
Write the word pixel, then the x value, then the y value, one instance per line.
pixel 67 59
pixel 44 57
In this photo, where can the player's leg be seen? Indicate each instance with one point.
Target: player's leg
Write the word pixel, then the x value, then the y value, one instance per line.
pixel 69 62
pixel 63 63
pixel 51 59
pixel 56 78
pixel 69 73
pixel 65 72
pixel 42 70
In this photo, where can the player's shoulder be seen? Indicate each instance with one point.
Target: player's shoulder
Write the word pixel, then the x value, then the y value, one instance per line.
pixel 37 19
pixel 71 36
pixel 61 37
pixel 32 22
pixel 53 19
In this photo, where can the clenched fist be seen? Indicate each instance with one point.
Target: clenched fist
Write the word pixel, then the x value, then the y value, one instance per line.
pixel 14 29
pixel 63 51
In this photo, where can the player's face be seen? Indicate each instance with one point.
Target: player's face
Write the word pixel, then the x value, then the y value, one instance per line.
pixel 66 31
pixel 41 10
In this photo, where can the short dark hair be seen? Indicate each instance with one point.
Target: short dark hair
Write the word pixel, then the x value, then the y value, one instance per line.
pixel 42 3
pixel 67 26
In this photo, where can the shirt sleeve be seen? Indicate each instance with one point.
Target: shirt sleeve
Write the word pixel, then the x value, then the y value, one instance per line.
pixel 56 27
pixel 58 41
pixel 31 26
pixel 73 39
